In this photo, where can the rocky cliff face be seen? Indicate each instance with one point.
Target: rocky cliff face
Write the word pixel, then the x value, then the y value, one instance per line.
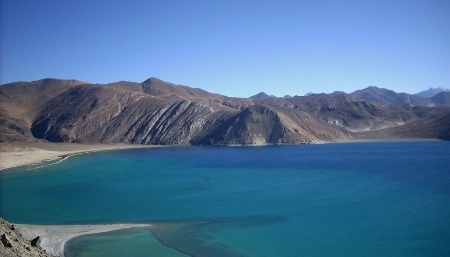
pixel 157 112
pixel 261 124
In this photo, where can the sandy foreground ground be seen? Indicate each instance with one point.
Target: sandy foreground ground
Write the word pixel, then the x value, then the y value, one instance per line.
pixel 54 237
pixel 14 155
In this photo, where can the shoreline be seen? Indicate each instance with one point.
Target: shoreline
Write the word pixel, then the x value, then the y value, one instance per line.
pixel 54 237
pixel 17 155
pixel 376 140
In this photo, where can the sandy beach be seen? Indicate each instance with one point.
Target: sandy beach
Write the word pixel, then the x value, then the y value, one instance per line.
pixel 15 155
pixel 54 237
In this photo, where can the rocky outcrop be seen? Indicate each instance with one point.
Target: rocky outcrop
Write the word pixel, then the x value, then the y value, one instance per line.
pixel 36 242
pixel 14 245
pixel 5 241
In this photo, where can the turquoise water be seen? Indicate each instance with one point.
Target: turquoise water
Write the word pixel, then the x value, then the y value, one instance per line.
pixel 127 242
pixel 359 199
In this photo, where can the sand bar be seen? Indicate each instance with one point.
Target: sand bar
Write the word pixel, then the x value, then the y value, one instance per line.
pixel 54 237
pixel 14 155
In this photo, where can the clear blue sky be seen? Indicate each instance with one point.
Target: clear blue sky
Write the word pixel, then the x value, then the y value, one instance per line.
pixel 235 47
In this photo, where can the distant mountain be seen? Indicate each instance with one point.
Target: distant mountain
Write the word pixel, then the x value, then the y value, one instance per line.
pixel 432 92
pixel 387 96
pixel 338 93
pixel 158 112
pixel 437 128
pixel 358 115
pixel 442 98
pixel 260 95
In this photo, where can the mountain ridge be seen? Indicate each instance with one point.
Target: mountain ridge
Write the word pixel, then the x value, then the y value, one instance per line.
pixel 387 96
pixel 159 112
pixel 429 93
pixel 382 95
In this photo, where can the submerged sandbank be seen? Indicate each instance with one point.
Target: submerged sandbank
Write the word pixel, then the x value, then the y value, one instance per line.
pixel 182 237
pixel 54 237
pixel 15 155
pixel 189 238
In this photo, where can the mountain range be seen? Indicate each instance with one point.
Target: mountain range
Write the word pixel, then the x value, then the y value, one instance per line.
pixel 432 92
pixel 430 97
pixel 158 112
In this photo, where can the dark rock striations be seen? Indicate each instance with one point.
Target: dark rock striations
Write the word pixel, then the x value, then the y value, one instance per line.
pixel 260 124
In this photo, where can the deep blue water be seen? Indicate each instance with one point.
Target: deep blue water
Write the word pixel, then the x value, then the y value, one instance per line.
pixel 358 199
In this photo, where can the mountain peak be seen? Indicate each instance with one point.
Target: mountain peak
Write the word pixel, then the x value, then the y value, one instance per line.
pixel 432 91
pixel 152 79
pixel 260 95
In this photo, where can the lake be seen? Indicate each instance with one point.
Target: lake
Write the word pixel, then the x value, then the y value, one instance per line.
pixel 343 199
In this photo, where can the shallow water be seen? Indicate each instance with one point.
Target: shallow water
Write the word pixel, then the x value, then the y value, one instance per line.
pixel 359 199
pixel 127 242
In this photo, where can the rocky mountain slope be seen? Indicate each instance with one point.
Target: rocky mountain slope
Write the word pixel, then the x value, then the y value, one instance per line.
pixel 14 245
pixel 442 98
pixel 261 124
pixel 157 112
pixel 355 114
pixel 434 128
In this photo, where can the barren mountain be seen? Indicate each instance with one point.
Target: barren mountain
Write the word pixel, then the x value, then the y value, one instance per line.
pixel 387 96
pixel 110 113
pixel 157 112
pixel 260 95
pixel 260 124
pixel 22 102
pixel 442 98
pixel 432 92
pixel 437 128
pixel 356 115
